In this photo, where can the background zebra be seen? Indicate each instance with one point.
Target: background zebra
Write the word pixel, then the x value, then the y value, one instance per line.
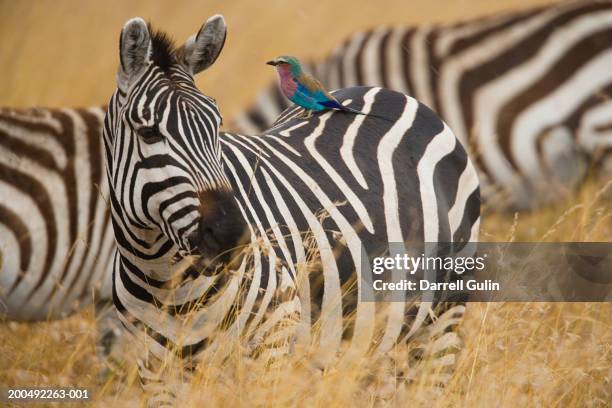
pixel 527 92
pixel 179 188
pixel 55 235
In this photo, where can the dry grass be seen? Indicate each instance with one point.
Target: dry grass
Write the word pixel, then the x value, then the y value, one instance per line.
pixel 525 354
pixel 515 354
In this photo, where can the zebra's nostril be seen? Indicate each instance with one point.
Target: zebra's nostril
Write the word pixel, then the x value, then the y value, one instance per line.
pixel 203 241
pixel 194 243
pixel 208 239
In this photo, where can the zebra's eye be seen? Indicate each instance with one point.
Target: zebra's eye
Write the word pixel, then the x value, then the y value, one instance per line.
pixel 150 135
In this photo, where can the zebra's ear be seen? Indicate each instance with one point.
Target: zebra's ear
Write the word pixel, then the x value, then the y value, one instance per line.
pixel 202 49
pixel 134 49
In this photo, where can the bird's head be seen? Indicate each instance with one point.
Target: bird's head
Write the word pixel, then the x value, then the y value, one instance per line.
pixel 287 62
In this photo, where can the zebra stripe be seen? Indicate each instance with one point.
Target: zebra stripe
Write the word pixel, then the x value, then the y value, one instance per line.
pixel 301 200
pixel 56 242
pixel 518 89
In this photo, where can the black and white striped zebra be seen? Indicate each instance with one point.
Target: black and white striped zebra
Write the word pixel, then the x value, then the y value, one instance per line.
pixel 56 241
pixel 180 190
pixel 421 61
pixel 526 92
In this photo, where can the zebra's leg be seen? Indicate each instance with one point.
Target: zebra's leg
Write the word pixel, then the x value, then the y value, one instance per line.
pixel 108 332
pixel 108 328
pixel 434 350
pixel 160 384
pixel 425 360
pixel 164 374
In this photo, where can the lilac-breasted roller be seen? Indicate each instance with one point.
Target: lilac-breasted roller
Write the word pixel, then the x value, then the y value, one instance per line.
pixel 304 90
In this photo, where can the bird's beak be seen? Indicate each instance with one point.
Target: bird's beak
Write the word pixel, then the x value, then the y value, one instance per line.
pixel 272 62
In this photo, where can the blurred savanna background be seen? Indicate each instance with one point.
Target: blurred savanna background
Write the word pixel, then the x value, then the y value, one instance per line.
pixel 65 53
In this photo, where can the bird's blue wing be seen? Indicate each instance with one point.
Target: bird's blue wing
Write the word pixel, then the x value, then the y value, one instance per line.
pixel 320 96
pixel 306 98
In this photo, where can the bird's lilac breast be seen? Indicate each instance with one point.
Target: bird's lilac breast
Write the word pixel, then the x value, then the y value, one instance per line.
pixel 289 87
pixel 287 83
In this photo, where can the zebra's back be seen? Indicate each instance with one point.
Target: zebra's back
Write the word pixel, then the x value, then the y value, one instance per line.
pixel 525 92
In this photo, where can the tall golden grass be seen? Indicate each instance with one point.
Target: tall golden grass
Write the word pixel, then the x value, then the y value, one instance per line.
pixel 514 354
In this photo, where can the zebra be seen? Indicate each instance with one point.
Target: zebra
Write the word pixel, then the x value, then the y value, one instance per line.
pixel 526 92
pixel 212 228
pixel 56 240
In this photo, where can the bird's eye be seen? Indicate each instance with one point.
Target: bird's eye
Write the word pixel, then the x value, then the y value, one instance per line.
pixel 150 135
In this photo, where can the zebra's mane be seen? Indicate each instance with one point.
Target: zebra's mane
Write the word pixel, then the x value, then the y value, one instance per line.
pixel 163 49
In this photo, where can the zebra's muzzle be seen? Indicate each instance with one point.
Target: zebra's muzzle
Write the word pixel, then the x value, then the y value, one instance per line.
pixel 203 241
pixel 213 248
pixel 221 229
